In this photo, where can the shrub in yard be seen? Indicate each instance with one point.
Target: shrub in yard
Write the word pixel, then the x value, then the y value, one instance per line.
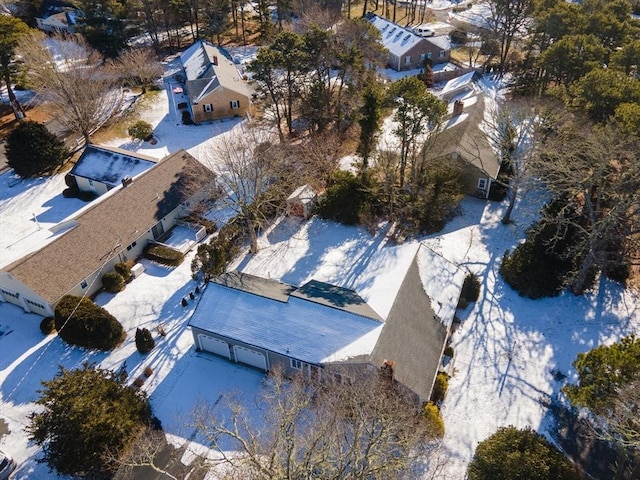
pixel 164 255
pixel 144 340
pixel 112 282
pixel 538 267
pixel 440 387
pixel 32 149
pixel 345 199
pixel 88 325
pixel 449 351
pixel 124 270
pixel 212 258
pixel 432 417
pixel 141 130
pixel 512 453
pixel 470 290
pixel 47 325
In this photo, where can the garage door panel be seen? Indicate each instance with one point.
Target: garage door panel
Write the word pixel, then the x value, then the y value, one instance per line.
pixel 215 345
pixel 250 357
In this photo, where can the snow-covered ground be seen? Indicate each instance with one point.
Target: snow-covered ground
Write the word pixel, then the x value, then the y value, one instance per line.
pixel 507 348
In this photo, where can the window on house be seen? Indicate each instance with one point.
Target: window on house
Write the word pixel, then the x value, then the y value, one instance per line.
pixel 297 364
pixel 482 184
pixel 407 60
pixel 441 54
pixel 208 107
pixel 91 182
pixel 423 56
pixel 429 55
pixel 234 103
pixel 83 284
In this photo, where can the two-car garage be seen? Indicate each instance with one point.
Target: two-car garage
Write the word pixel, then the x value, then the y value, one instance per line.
pixel 241 354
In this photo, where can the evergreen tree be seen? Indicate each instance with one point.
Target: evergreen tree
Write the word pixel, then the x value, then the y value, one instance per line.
pixel 370 116
pixel 32 149
pixel 86 414
pixel 11 29
pixel 604 371
pixel 511 453
pixel 144 340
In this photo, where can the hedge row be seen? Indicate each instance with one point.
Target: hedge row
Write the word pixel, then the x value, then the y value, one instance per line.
pixel 164 255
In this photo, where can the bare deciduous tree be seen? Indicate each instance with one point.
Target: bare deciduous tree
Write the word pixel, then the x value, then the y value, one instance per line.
pixel 597 171
pixel 368 428
pixel 139 66
pixel 71 75
pixel 141 453
pixel 255 177
pixel 512 130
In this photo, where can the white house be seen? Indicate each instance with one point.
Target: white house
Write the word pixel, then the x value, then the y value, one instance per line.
pixel 114 228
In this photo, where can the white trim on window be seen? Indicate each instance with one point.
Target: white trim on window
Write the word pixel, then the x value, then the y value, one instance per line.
pixel 297 364
pixel 208 107
pixel 407 60
pixel 234 104
pixel 429 55
pixel 482 183
pixel 441 54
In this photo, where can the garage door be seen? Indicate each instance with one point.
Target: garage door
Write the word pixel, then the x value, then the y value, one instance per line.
pixel 250 357
pixel 214 345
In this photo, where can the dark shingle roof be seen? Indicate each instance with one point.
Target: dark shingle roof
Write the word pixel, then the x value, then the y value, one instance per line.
pixel 336 297
pixel 110 225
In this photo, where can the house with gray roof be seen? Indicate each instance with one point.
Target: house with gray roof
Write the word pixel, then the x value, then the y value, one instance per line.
pixel 463 141
pixel 323 330
pixel 114 228
pixel 407 50
pixel 100 168
pixel 213 85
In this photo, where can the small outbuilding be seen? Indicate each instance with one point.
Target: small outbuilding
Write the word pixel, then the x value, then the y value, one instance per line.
pixel 301 202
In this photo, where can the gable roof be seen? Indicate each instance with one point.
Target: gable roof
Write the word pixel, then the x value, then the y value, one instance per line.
pixel 398 40
pixel 109 224
pixel 208 67
pixel 321 323
pixel 463 135
pixel 299 328
pixel 110 165
pixel 419 321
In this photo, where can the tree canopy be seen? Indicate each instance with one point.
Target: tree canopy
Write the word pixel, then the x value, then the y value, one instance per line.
pixel 34 150
pixel 87 414
pixel 512 453
pixel 603 372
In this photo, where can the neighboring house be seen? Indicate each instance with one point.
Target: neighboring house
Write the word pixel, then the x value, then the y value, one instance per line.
pixel 113 229
pixel 463 142
pixel 322 330
pixel 62 22
pixel 407 50
pixel 100 168
pixel 57 17
pixel 213 84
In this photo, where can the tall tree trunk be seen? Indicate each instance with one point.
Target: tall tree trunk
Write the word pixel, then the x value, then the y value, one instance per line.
pixel 18 111
pixel 253 237
pixel 578 286
pixel 513 194
pixel 364 8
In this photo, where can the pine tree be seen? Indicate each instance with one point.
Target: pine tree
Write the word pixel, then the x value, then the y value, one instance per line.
pixel 32 149
pixel 87 413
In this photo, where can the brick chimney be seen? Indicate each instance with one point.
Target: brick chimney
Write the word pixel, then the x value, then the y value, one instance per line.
pixel 458 106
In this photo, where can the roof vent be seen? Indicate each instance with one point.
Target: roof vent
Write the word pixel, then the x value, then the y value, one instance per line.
pixel 458 107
